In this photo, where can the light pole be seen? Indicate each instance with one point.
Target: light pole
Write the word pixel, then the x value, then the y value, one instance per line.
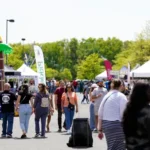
pixel 23 39
pixel 8 20
pixel 24 54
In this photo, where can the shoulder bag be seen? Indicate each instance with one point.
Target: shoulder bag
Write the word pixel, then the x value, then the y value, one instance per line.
pixel 70 106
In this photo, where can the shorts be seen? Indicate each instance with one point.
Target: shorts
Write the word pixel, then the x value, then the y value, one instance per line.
pixel 96 108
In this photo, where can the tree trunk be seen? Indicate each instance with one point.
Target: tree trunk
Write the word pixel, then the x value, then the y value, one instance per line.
pixel 2 75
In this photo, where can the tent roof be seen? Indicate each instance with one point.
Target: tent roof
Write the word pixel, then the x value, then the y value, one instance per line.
pixel 142 71
pixel 101 75
pixel 9 71
pixel 27 71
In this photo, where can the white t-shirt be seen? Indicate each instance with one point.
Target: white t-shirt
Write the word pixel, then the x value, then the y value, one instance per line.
pixel 112 106
pixel 96 92
pixel 32 89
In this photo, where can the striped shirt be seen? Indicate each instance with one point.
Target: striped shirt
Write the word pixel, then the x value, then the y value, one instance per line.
pixel 112 106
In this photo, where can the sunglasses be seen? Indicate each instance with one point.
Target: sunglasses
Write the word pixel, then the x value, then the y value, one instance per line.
pixel 40 87
pixel 68 87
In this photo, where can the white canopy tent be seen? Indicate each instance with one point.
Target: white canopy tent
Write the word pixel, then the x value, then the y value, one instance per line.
pixel 102 75
pixel 141 72
pixel 27 72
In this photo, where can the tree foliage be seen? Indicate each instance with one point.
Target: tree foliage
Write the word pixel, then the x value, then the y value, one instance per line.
pixel 90 67
pixel 68 54
pixel 82 58
pixel 65 74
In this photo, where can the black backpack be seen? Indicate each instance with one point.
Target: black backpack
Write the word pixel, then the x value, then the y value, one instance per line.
pixel 81 134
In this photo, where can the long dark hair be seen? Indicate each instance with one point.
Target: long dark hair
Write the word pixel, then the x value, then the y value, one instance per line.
pixel 139 99
pixel 69 85
pixel 43 89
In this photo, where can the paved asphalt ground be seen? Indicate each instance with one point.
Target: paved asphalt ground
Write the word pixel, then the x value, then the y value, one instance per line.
pixel 54 140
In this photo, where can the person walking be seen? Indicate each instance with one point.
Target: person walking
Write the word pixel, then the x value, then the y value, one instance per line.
pixel 92 114
pixel 110 117
pixel 81 85
pixel 57 98
pixel 25 110
pixel 32 88
pixel 98 94
pixel 69 105
pixel 136 118
pixel 7 100
pixel 41 108
pixel 75 84
pixel 85 93
pixel 49 112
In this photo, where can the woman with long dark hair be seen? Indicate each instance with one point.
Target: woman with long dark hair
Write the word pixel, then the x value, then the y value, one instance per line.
pixel 110 116
pixel 69 105
pixel 25 110
pixel 41 106
pixel 136 118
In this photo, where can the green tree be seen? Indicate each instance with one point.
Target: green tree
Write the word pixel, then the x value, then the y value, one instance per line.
pixel 90 67
pixel 73 46
pixel 51 73
pixel 65 74
pixel 15 59
pixel 137 52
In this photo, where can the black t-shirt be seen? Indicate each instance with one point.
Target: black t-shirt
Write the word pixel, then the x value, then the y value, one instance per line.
pixel 25 98
pixel 7 99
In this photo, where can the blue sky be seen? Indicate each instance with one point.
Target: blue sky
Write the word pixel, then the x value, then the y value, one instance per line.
pixel 52 20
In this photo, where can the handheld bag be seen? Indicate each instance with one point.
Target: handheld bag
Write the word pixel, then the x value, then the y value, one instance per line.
pixel 81 134
pixel 70 106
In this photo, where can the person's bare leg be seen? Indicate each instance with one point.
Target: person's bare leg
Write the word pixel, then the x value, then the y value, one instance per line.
pixel 96 121
pixel 48 122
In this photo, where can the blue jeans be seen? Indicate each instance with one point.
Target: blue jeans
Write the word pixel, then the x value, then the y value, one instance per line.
pixel 69 114
pixel 24 116
pixel 7 125
pixel 40 115
pixel 92 116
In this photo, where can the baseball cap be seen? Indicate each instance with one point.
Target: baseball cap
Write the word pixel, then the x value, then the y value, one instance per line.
pixel 99 81
pixel 94 85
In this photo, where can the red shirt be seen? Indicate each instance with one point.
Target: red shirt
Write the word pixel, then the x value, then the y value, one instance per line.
pixel 59 91
pixel 75 83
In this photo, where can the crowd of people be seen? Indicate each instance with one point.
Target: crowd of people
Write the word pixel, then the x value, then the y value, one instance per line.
pixel 29 101
pixel 116 111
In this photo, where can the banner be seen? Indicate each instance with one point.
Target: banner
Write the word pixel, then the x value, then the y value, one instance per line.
pixel 40 64
pixel 108 68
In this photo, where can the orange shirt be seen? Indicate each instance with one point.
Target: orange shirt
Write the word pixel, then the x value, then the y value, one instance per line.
pixel 72 98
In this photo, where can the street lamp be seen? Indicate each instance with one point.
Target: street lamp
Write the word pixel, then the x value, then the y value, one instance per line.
pixel 8 20
pixel 24 54
pixel 23 39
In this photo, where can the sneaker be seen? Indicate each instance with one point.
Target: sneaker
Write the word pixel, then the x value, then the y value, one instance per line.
pixel 43 136
pixel 59 130
pixel 9 136
pixel 3 136
pixel 68 132
pixel 95 130
pixel 37 135
pixel 23 136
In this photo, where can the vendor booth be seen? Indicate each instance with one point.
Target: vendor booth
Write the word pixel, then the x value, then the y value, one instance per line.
pixel 141 72
pixel 28 73
pixel 102 75
pixel 9 71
